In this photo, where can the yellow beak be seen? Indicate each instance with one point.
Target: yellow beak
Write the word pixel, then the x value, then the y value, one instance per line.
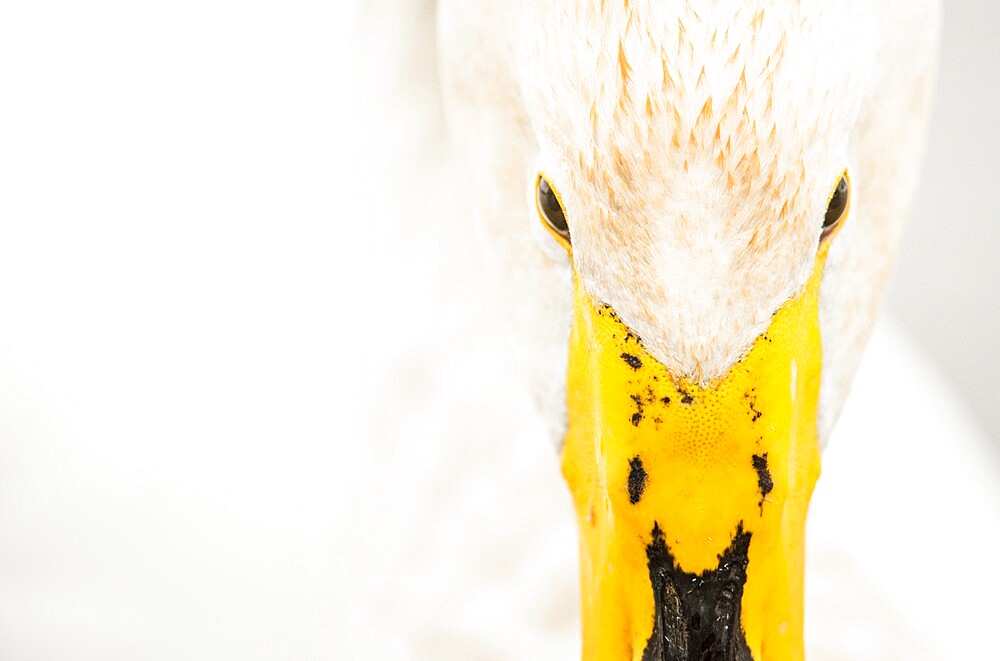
pixel 691 501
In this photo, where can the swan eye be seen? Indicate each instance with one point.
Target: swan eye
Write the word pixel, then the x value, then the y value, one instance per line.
pixel 551 210
pixel 837 208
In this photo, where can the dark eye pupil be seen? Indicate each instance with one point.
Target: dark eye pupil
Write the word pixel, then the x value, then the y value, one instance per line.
pixel 838 204
pixel 549 205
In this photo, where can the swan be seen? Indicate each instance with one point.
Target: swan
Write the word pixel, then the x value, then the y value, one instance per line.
pixel 694 207
pixel 237 427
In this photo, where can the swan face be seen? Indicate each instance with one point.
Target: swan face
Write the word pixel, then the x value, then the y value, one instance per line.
pixel 694 165
pixel 712 330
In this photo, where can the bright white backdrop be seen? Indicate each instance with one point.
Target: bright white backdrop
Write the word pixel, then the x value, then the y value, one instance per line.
pixel 947 288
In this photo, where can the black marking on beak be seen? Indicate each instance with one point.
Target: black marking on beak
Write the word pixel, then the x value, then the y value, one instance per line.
pixel 636 480
pixel 632 361
pixel 764 480
pixel 751 397
pixel 637 416
pixel 697 616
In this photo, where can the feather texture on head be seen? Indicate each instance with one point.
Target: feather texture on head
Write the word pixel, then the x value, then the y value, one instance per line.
pixel 694 146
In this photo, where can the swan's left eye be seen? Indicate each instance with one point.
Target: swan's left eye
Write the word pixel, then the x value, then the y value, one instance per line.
pixel 551 211
pixel 837 208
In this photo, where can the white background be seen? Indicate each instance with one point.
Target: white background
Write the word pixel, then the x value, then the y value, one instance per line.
pixel 947 287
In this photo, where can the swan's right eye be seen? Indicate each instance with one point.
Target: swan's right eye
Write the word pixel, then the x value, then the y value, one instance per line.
pixel 551 210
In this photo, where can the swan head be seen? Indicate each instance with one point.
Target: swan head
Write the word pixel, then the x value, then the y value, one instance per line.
pixel 696 221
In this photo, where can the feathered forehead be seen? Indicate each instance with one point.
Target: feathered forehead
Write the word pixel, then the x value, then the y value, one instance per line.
pixel 627 85
pixel 695 146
